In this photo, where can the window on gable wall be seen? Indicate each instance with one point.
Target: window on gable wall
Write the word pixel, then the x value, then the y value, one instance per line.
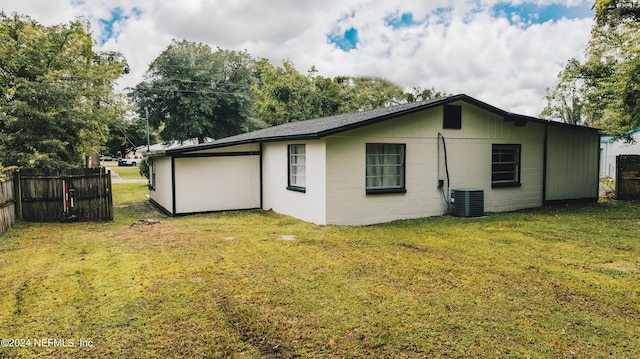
pixel 297 168
pixel 505 165
pixel 385 168
pixel 452 117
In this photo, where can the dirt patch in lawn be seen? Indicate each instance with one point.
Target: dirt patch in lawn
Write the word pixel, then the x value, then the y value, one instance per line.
pixel 621 267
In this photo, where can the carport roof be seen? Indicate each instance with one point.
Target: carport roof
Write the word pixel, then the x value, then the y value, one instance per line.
pixel 326 126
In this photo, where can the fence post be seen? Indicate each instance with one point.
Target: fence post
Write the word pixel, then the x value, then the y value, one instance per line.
pixel 617 176
pixel 17 193
pixel 110 196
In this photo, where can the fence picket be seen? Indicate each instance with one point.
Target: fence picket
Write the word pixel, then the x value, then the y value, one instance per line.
pixel 7 201
pixel 628 177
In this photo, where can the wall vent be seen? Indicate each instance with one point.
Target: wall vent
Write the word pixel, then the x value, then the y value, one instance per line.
pixel 452 117
pixel 468 202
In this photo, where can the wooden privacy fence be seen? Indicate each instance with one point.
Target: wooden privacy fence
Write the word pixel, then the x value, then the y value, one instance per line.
pixel 43 194
pixel 628 177
pixel 7 200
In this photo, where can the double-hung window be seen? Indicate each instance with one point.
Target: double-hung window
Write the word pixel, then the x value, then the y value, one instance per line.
pixel 505 165
pixel 297 168
pixel 385 168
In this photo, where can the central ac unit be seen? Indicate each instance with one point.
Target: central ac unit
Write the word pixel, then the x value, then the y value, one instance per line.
pixel 468 202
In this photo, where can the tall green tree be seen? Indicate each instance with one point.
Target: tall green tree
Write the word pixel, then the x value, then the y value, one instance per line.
pixel 56 93
pixel 613 12
pixel 191 91
pixel 604 91
pixel 326 99
pixel 284 95
pixel 419 94
pixel 565 102
pixel 365 93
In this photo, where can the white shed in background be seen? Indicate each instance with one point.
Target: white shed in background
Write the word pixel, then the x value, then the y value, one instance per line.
pixel 613 146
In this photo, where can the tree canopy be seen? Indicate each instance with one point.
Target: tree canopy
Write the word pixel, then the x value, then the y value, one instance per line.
pixel 604 91
pixel 285 95
pixel 191 91
pixel 56 93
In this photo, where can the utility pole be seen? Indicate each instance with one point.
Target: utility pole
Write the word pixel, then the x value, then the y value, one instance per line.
pixel 146 111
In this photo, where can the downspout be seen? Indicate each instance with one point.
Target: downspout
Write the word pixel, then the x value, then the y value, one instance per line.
pixel 173 186
pixel 441 184
pixel 598 169
pixel 261 191
pixel 544 163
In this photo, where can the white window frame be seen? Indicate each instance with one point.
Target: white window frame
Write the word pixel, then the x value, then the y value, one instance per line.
pixel 297 167
pixel 152 173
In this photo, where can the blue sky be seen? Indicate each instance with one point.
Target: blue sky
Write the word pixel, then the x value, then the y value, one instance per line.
pixel 346 41
pixel 504 52
pixel 403 20
pixel 523 15
pixel 117 14
pixel 531 13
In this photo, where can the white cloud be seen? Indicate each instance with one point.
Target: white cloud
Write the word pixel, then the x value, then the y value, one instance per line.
pixel 46 12
pixel 463 50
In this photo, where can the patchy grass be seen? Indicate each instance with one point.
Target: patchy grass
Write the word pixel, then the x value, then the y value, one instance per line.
pixel 128 172
pixel 126 195
pixel 555 282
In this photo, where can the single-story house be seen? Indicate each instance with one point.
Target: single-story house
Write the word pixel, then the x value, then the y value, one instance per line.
pixel 390 163
pixel 614 146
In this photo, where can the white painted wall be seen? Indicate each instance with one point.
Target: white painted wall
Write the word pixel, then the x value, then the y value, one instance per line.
pixel 610 149
pixel 628 148
pixel 335 171
pixel 347 201
pixel 206 184
pixel 163 192
pixel 572 166
pixel 309 206
pixel 469 162
pixel 470 159
pixel 607 158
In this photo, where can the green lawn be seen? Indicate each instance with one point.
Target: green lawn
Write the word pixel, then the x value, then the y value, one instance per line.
pixel 126 172
pixel 550 283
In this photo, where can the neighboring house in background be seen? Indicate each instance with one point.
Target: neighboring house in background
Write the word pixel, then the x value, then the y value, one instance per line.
pixel 385 164
pixel 613 146
pixel 134 157
pixel 133 154
pixel 169 145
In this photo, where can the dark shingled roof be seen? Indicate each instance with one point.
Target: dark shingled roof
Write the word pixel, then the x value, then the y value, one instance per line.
pixel 325 126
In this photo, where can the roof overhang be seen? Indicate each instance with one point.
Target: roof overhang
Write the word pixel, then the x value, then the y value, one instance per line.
pixel 518 120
